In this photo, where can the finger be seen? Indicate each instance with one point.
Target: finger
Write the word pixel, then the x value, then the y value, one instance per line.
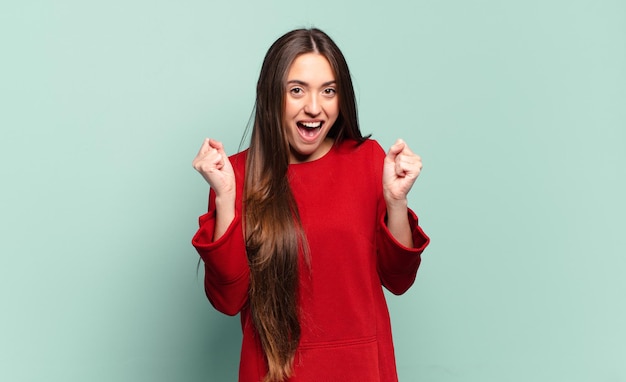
pixel 408 164
pixel 398 146
pixel 218 160
pixel 394 150
pixel 202 153
pixel 407 150
pixel 204 148
pixel 219 146
pixel 400 167
pixel 410 159
pixel 206 152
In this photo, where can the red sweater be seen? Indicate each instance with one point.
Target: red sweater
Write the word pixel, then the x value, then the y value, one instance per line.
pixel 346 332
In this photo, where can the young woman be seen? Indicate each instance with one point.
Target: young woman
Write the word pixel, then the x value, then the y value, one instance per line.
pixel 306 226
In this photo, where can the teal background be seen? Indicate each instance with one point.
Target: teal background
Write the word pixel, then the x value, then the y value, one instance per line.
pixel 518 109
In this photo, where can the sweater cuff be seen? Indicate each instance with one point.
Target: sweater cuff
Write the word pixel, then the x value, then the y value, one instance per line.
pixel 225 258
pixel 203 239
pixel 420 240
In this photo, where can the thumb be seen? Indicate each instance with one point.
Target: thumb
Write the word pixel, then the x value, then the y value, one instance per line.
pixel 225 161
pixel 396 149
pixel 219 146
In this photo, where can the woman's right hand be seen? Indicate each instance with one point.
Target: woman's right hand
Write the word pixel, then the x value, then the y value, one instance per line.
pixel 213 164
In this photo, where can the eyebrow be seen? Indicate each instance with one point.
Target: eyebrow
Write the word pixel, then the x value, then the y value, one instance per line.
pixel 298 82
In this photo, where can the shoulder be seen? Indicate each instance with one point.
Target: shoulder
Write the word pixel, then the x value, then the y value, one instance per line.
pixel 360 158
pixel 239 158
pixel 367 148
pixel 238 161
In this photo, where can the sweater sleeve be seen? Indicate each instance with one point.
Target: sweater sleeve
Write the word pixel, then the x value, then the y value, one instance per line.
pixel 227 273
pixel 397 264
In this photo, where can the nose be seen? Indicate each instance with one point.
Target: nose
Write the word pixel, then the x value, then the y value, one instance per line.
pixel 312 106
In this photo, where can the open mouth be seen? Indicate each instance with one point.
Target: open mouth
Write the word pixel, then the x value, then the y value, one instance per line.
pixel 310 130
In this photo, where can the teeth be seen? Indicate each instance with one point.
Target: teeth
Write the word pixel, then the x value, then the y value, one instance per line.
pixel 311 125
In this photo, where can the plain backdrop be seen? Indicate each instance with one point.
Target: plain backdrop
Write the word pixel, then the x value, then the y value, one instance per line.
pixel 518 109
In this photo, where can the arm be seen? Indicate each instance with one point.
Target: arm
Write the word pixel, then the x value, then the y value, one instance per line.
pixel 398 264
pixel 398 224
pixel 400 239
pixel 401 169
pixel 219 239
pixel 215 167
pixel 226 271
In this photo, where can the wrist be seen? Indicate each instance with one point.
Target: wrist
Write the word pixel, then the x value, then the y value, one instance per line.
pixel 396 204
pixel 225 203
pixel 226 197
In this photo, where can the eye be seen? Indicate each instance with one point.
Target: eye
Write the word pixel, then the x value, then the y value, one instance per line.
pixel 330 92
pixel 296 91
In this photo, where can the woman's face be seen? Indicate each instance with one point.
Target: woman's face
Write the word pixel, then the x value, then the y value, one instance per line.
pixel 311 107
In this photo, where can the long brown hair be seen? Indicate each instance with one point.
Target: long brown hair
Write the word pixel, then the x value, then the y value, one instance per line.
pixel 274 233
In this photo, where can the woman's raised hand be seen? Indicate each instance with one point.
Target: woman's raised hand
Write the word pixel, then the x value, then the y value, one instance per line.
pixel 213 164
pixel 401 169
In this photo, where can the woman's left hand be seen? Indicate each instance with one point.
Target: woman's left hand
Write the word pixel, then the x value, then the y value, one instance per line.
pixel 401 169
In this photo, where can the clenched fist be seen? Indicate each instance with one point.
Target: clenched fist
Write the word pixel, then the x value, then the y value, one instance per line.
pixel 401 169
pixel 213 164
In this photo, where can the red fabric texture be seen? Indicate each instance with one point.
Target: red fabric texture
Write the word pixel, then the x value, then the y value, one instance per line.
pixel 346 332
